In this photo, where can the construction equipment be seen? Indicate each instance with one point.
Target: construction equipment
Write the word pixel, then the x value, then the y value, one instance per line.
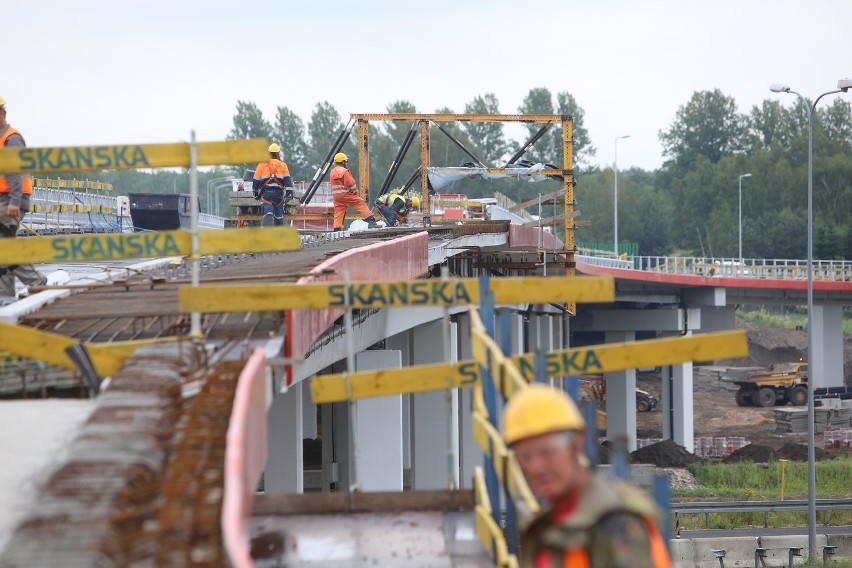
pixel 781 383
pixel 595 389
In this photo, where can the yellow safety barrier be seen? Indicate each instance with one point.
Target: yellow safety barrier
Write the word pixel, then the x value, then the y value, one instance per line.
pixel 50 348
pixel 73 248
pixel 432 292
pixel 487 530
pixel 559 363
pixel 135 156
pixel 71 184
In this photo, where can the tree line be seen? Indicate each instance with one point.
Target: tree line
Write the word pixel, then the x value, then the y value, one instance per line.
pixel 689 206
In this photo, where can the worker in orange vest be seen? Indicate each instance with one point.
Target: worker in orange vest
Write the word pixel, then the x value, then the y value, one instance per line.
pixel 590 521
pixel 273 185
pixel 345 194
pixel 15 192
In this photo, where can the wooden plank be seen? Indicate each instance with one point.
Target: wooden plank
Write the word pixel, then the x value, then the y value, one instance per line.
pixel 432 292
pixel 537 200
pixel 55 160
pixel 561 362
pixel 155 244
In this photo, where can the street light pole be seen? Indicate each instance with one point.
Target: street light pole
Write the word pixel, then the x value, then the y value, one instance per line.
pixel 741 217
pixel 843 85
pixel 615 196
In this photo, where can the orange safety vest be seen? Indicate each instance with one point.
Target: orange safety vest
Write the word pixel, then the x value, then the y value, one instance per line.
pixel 341 180
pixel 579 557
pixel 271 169
pixel 551 541
pixel 4 183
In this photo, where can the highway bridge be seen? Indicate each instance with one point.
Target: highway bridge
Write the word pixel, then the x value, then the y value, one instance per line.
pixel 355 379
pixel 303 441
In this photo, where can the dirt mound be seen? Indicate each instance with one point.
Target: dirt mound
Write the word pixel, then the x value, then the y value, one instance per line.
pixel 799 452
pixel 757 453
pixel 664 454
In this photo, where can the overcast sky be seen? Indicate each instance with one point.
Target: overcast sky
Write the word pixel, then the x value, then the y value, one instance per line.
pixel 111 72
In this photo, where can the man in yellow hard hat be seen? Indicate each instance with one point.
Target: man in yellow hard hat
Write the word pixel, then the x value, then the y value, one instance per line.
pixel 345 194
pixel 589 521
pixel 15 193
pixel 395 207
pixel 273 185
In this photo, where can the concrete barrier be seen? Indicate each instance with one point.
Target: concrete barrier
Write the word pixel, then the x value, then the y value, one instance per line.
pixel 739 551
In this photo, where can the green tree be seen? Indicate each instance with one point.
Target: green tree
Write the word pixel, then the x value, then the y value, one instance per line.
pixel 708 126
pixel 290 133
pixel 549 148
pixel 487 137
pixel 583 148
pixel 249 123
pixel 771 125
pixel 540 101
pixel 323 128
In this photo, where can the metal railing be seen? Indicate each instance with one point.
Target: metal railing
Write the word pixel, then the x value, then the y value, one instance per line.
pixel 764 268
pixel 765 507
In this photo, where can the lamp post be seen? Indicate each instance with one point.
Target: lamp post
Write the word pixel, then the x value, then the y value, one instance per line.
pixel 209 182
pixel 741 216
pixel 615 196
pixel 842 85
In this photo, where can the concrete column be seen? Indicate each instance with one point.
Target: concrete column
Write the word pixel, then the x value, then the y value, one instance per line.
pixel 621 398
pixel 402 342
pixel 683 431
pixel 378 430
pixel 470 453
pixel 309 415
pixel 284 464
pixel 827 366
pixel 666 403
pixel 335 441
pixel 435 427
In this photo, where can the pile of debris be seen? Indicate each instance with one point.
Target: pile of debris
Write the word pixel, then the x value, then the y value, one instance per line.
pixel 758 453
pixel 664 454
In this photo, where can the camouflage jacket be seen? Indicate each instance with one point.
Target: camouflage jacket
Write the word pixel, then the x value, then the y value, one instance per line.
pixel 613 526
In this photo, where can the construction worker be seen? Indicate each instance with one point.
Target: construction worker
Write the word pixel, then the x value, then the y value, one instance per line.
pixel 273 185
pixel 589 521
pixel 345 194
pixel 15 192
pixel 395 207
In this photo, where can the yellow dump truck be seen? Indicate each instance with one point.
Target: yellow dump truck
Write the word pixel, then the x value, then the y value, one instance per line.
pixel 780 384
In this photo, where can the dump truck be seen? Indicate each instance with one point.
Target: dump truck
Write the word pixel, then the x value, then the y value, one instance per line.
pixel 776 386
pixel 595 389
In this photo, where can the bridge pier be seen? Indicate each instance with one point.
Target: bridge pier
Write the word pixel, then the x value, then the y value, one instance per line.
pixel 470 454
pixel 434 418
pixel 827 366
pixel 285 462
pixel 677 404
pixel 621 398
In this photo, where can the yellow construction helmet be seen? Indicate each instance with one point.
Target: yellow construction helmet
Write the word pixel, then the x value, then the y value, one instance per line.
pixel 415 201
pixel 340 157
pixel 539 409
pixel 274 149
pixel 2 102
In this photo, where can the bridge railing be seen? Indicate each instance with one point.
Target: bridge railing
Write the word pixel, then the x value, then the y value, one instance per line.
pixel 768 268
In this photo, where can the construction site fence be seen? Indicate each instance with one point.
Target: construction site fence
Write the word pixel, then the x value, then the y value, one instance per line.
pixel 705 447
pixel 67 208
pixel 608 249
